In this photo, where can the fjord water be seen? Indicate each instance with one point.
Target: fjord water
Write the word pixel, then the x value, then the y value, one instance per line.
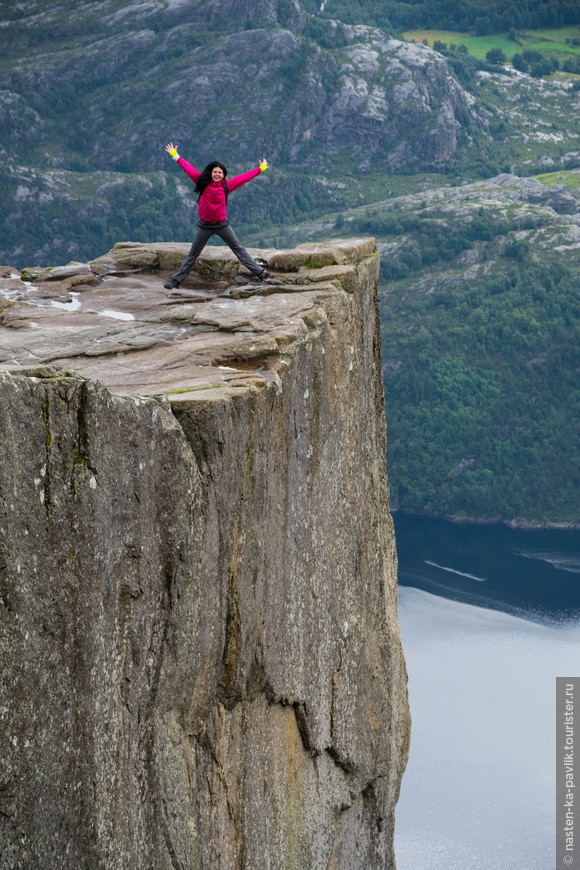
pixel 489 617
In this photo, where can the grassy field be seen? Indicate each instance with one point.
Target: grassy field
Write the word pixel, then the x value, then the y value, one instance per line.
pixel 571 178
pixel 553 48
pixel 432 35
pixel 558 34
pixel 548 41
pixel 478 46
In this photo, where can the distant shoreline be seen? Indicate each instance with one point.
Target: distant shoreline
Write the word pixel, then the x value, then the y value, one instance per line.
pixel 493 521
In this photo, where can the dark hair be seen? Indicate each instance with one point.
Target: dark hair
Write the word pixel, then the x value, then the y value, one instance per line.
pixel 205 177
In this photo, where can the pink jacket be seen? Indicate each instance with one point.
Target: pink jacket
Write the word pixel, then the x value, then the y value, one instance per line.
pixel 212 204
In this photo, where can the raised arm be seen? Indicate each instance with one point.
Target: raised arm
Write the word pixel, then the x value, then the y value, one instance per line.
pixel 238 180
pixel 187 167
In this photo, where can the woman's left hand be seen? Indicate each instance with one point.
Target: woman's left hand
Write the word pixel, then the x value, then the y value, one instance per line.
pixel 263 164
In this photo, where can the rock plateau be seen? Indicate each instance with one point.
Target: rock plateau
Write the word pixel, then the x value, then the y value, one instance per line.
pixel 202 663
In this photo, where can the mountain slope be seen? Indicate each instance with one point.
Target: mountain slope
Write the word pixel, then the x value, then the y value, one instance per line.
pixel 90 93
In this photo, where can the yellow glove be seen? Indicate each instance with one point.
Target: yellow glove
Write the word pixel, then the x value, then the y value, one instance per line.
pixel 173 153
pixel 263 164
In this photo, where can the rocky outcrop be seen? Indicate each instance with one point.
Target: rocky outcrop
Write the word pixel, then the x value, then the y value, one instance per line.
pixel 395 103
pixel 359 93
pixel 202 664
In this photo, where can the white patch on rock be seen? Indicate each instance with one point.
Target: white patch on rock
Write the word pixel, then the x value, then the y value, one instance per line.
pixel 117 315
pixel 73 305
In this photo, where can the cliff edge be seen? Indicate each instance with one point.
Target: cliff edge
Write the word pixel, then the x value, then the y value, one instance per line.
pixel 202 665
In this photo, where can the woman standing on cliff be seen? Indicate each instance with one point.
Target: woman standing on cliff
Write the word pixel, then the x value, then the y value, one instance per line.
pixel 213 189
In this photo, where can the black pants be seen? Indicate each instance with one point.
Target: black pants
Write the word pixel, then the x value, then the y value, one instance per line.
pixel 201 239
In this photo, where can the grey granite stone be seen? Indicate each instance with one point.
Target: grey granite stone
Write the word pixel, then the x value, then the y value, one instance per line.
pixel 201 658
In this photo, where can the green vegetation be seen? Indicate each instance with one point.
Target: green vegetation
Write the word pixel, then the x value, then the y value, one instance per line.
pixel 533 124
pixel 494 16
pixel 113 206
pixel 481 361
pixel 479 311
pixel 482 395
pixel 145 209
pixel 430 37
pixel 479 46
pixel 539 52
pixel 496 55
pixel 570 178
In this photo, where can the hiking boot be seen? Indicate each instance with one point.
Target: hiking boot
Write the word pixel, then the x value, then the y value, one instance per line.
pixel 172 284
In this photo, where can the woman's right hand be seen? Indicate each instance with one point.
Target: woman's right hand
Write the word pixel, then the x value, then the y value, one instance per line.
pixel 171 149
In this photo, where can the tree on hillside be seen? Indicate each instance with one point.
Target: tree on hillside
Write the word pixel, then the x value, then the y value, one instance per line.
pixel 491 16
pixel 495 55
pixel 519 63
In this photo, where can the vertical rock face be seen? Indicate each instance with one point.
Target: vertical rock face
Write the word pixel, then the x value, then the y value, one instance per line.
pixel 201 660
